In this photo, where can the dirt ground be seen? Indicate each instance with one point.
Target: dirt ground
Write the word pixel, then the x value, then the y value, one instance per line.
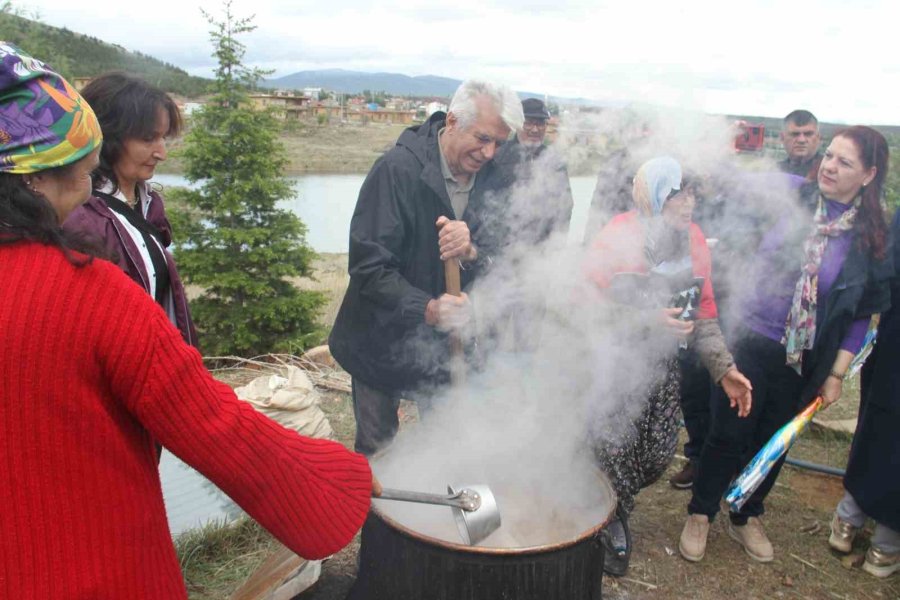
pixel 799 510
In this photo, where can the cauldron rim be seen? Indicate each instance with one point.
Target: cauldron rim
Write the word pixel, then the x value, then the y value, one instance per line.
pixel 519 551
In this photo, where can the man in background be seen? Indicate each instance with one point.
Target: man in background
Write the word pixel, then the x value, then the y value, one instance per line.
pixel 524 206
pixel 612 192
pixel 801 139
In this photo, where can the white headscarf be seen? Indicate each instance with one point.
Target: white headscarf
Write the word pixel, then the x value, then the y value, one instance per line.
pixel 654 182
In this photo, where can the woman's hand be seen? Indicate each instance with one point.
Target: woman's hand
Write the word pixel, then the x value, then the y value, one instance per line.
pixel 833 387
pixel 831 391
pixel 669 319
pixel 738 389
pixel 376 487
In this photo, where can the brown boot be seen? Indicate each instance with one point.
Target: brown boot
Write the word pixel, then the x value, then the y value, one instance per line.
pixel 753 538
pixel 684 479
pixel 692 544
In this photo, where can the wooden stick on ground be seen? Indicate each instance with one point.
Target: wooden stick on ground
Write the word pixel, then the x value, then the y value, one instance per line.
pixel 639 582
pixel 809 564
pixel 270 574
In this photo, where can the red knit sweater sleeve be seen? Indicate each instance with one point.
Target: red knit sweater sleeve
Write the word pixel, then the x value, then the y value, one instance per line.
pixel 313 495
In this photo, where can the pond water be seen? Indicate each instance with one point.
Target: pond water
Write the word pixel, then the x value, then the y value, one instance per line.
pixel 325 203
pixel 191 500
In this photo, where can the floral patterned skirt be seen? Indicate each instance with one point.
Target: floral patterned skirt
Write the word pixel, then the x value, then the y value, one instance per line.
pixel 635 453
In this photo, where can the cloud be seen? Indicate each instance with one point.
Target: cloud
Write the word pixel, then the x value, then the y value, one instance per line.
pixel 825 55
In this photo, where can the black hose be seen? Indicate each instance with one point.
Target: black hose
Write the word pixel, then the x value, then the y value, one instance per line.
pixel 802 464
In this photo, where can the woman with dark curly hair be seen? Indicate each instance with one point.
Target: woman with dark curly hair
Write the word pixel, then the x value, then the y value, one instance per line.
pixel 125 214
pixel 818 282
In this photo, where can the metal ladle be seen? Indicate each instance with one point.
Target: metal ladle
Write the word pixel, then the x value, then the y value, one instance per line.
pixel 474 508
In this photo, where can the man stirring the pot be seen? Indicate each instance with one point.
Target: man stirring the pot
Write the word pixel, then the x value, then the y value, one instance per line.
pixel 391 333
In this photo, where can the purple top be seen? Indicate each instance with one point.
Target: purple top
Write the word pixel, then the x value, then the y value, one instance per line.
pixel 768 306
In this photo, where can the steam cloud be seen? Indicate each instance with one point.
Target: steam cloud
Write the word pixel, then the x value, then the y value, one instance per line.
pixel 525 423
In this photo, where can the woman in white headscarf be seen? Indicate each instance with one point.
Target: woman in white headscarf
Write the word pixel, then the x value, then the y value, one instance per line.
pixel 653 265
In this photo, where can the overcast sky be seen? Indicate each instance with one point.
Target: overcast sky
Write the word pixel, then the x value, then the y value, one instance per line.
pixel 839 59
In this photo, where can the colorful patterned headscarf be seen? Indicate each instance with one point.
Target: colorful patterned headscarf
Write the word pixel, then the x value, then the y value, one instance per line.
pixel 44 122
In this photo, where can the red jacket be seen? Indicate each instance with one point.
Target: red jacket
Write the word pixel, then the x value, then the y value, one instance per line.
pixel 92 372
pixel 619 248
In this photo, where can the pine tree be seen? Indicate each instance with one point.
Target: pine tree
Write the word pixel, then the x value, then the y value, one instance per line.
pixel 239 247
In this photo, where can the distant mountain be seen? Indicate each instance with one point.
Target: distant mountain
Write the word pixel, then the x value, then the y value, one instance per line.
pixel 354 82
pixel 77 55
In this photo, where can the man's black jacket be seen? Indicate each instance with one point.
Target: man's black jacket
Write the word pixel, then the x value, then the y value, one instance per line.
pixel 380 335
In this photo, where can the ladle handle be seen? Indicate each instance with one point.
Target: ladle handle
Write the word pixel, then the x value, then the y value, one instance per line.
pixel 457 361
pixel 452 277
pixel 461 500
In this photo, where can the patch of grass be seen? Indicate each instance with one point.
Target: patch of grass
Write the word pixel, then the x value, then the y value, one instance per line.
pixel 338 148
pixel 218 557
pixel 333 148
pixel 338 407
pixel 331 278
pixel 823 446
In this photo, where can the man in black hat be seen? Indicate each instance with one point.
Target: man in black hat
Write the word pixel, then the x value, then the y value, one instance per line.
pixel 525 204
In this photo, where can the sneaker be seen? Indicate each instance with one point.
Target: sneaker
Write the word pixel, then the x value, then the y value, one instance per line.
pixel 617 545
pixel 880 563
pixel 753 538
pixel 842 534
pixel 684 479
pixel 692 544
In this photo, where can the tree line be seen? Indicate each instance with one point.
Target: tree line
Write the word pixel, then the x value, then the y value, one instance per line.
pixel 75 55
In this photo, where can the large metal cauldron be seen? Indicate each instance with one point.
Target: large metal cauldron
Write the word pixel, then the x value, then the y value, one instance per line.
pixel 397 563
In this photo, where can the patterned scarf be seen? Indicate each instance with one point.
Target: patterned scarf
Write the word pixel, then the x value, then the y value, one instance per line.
pixel 44 122
pixel 800 328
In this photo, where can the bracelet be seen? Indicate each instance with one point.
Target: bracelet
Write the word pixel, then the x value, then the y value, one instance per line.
pixel 836 375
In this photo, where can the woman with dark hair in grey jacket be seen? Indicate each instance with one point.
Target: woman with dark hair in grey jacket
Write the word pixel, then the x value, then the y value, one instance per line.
pixel 125 215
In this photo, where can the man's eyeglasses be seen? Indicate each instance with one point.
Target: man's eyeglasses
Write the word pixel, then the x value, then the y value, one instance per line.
pixel 535 124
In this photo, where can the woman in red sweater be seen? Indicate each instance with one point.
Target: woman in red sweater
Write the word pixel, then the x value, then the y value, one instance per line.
pixel 652 266
pixel 88 384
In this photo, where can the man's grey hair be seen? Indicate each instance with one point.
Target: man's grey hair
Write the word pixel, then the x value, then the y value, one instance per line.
pixel 507 103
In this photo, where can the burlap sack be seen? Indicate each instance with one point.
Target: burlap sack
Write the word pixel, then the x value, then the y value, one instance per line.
pixel 291 399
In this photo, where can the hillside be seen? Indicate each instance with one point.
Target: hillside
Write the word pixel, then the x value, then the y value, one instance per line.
pixel 77 55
